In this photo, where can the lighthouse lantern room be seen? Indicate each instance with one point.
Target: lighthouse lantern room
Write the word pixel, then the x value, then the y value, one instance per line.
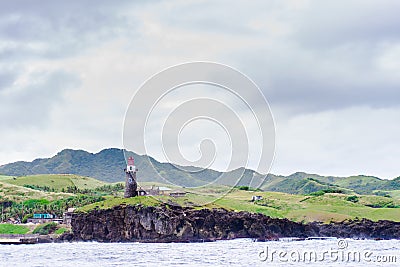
pixel 131 165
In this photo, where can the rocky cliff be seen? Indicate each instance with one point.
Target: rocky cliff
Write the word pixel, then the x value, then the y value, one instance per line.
pixel 177 224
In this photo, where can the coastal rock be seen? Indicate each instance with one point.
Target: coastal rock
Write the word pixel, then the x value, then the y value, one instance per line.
pixel 361 229
pixel 179 224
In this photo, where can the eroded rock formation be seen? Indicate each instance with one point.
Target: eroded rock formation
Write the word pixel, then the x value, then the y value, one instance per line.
pixel 177 224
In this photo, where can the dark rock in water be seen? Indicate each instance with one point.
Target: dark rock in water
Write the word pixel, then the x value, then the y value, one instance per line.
pixel 65 237
pixel 363 228
pixel 178 224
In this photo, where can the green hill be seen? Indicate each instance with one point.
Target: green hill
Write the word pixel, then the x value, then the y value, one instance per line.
pixel 303 183
pixel 108 165
pixel 55 181
pixel 302 186
pixel 10 192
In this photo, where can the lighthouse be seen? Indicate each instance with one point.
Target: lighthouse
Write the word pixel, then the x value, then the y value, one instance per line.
pixel 130 180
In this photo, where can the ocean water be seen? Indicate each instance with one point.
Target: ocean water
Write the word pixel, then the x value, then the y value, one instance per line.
pixel 239 252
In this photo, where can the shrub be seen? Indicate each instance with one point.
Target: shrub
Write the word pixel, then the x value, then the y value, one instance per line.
pixel 45 229
pixel 317 193
pixel 383 205
pixel 353 199
pixel 243 187
pixel 32 203
pixel 61 231
pixel 324 191
pixel 382 193
pixel 26 217
pixel 333 190
pixel 247 188
pixel 392 206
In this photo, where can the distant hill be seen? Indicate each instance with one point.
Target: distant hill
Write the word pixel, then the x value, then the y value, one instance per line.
pixel 304 183
pixel 108 165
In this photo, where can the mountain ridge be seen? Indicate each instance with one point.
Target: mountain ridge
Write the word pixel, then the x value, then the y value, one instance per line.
pixel 108 164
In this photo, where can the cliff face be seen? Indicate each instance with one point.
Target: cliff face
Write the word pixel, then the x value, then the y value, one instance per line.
pixel 176 224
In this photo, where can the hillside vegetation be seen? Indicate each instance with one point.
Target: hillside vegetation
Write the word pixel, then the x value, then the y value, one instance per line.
pixel 329 203
pixel 10 192
pixel 20 197
pixel 55 182
pixel 52 185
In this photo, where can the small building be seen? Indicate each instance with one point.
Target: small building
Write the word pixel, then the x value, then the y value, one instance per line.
pixel 158 190
pixel 142 192
pixel 42 218
pixel 67 216
pixel 255 198
pixel 153 191
pixel 177 194
pixel 165 191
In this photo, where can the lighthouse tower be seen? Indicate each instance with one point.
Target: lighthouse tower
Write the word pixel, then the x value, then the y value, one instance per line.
pixel 130 181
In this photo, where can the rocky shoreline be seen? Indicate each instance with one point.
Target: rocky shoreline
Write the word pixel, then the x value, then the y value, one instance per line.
pixel 178 224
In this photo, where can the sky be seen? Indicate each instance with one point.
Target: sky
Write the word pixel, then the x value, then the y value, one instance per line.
pixel 329 70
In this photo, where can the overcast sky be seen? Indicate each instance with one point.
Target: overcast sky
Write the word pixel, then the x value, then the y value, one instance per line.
pixel 329 69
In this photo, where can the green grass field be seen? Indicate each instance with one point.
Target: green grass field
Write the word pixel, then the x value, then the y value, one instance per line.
pixel 115 201
pixel 5 177
pixel 395 194
pixel 56 181
pixel 13 229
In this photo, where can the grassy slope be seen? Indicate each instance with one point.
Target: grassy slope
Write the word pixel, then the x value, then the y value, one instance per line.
pixel 329 207
pixel 13 229
pixel 298 207
pixel 324 208
pixel 19 193
pixel 300 183
pixel 115 201
pixel 56 181
pixel 360 184
pixel 5 177
pixel 395 193
pixel 301 186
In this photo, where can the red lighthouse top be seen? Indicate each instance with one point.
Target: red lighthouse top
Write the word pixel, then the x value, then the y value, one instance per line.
pixel 131 161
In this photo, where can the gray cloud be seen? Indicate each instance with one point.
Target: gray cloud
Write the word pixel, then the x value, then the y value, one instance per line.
pixel 318 83
pixel 310 58
pixel 32 104
pixel 330 57
pixel 328 24
pixel 305 55
pixel 57 29
pixel 7 76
